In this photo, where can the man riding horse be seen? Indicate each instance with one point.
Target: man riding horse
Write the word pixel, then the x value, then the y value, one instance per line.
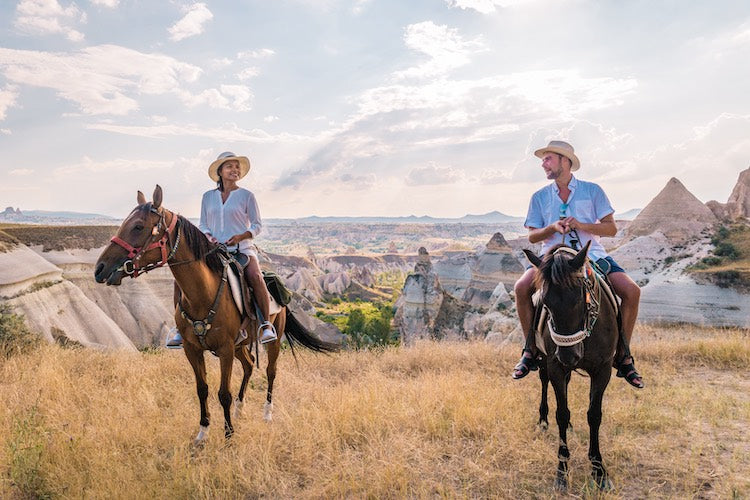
pixel 575 212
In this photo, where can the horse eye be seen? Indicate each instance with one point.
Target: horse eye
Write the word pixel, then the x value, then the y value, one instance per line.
pixel 138 228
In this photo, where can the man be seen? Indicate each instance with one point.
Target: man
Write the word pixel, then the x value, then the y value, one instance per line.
pixel 565 210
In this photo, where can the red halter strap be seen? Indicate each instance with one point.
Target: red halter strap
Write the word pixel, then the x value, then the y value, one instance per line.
pixel 130 266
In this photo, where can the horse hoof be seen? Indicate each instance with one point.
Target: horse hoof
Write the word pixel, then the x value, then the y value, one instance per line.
pixel 542 426
pixel 603 483
pixel 561 485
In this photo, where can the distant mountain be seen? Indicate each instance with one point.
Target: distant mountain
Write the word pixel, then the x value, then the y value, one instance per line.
pixel 55 217
pixel 629 215
pixel 488 218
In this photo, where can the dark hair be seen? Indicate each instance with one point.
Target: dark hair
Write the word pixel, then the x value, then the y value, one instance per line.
pixel 220 182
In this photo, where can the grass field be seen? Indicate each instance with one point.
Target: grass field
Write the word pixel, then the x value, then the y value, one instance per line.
pixel 437 420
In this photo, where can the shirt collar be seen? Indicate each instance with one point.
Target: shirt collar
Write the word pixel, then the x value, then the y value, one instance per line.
pixel 572 185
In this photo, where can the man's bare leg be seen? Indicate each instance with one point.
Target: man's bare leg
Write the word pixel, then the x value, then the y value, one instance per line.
pixel 524 290
pixel 630 295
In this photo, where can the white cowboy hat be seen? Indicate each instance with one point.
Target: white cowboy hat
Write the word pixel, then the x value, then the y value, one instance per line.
pixel 561 148
pixel 226 156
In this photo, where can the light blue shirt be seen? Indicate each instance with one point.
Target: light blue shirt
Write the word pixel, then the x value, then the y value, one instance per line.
pixel 587 203
pixel 238 214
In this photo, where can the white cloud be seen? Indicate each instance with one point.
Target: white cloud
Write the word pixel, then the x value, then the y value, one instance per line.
pixel 433 175
pixel 106 79
pixel 8 97
pixel 21 172
pixel 47 17
pixel 248 73
pixel 256 54
pixel 270 118
pixel 106 3
pixel 446 49
pixel 192 23
pixel 485 6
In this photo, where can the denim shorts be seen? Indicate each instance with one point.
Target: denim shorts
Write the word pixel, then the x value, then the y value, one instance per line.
pixel 608 265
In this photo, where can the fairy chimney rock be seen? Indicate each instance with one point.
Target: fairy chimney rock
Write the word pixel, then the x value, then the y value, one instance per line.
pixel 675 212
pixel 738 204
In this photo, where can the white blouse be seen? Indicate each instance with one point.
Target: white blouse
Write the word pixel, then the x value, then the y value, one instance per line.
pixel 238 214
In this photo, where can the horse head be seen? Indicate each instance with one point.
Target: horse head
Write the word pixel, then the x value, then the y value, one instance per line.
pixel 141 239
pixel 560 278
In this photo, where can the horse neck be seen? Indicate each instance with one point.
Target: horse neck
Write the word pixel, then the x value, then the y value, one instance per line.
pixel 196 280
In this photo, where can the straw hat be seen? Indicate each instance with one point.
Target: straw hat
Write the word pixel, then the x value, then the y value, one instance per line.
pixel 561 148
pixel 226 156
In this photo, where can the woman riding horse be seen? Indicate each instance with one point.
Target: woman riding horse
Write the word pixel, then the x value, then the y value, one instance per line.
pixel 230 215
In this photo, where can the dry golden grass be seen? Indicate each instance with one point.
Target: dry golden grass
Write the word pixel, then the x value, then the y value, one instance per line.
pixel 437 420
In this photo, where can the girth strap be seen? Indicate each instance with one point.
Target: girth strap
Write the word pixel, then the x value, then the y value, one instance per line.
pixel 201 327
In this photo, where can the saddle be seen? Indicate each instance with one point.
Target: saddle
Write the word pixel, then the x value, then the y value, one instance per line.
pixel 598 270
pixel 242 294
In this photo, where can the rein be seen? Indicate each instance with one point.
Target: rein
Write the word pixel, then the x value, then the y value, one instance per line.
pixel 593 302
pixel 131 266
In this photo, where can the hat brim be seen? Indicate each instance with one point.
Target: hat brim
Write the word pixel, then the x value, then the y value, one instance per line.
pixel 213 169
pixel 575 164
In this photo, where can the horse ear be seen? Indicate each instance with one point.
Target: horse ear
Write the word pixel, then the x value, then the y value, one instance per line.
pixel 577 261
pixel 157 197
pixel 141 199
pixel 533 258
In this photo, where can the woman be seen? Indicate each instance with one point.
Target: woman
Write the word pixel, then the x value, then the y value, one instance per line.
pixel 229 215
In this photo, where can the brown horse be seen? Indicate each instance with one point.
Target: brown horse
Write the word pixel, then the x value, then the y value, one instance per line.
pixel 206 316
pixel 580 333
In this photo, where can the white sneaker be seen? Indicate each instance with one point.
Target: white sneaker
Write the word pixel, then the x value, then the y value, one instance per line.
pixel 268 333
pixel 175 342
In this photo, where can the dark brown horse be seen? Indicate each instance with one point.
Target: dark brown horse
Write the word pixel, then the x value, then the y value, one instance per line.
pixel 206 316
pixel 580 333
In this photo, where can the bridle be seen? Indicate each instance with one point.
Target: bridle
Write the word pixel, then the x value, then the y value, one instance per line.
pixel 592 296
pixel 131 267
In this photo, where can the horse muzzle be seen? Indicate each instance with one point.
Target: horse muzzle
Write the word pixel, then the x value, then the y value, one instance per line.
pixel 569 356
pixel 111 275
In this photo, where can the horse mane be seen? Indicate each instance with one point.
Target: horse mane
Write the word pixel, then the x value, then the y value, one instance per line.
pixel 198 243
pixel 555 270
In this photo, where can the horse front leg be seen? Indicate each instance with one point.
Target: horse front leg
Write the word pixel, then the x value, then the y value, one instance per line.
pixel 543 423
pixel 279 322
pixel 197 361
pixel 599 382
pixel 246 360
pixel 560 384
pixel 226 359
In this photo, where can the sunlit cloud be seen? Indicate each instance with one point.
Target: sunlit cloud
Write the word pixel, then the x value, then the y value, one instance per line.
pixel 485 6
pixel 21 172
pixel 196 16
pixel 108 79
pixel 106 3
pixel 445 48
pixel 433 175
pixel 48 17
pixel 8 97
pixel 255 54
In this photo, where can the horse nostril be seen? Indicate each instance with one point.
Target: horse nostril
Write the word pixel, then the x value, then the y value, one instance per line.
pixel 97 273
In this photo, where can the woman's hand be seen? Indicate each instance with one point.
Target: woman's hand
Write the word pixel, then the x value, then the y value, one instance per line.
pixel 235 240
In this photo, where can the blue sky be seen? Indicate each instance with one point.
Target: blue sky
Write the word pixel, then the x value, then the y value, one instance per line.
pixel 368 107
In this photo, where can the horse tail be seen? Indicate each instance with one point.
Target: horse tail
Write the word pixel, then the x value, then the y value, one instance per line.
pixel 296 332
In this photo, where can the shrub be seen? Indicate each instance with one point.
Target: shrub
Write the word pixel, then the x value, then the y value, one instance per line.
pixel 15 337
pixel 26 448
pixel 711 261
pixel 726 249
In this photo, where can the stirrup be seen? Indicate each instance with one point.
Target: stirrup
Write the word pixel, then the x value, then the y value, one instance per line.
pixel 266 333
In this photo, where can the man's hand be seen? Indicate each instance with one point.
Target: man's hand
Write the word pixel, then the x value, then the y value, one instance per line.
pixel 571 223
pixel 560 226
pixel 212 239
